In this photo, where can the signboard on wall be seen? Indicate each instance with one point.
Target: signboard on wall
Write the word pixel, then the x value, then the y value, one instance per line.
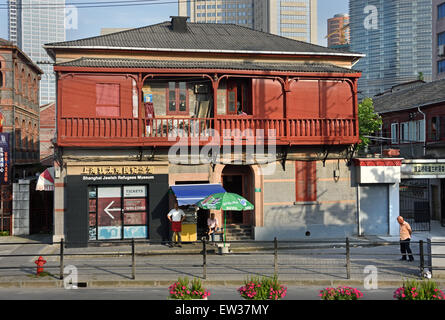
pixel 4 159
pixel 423 169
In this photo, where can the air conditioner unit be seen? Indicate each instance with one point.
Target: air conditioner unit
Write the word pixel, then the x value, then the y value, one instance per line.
pixel 442 50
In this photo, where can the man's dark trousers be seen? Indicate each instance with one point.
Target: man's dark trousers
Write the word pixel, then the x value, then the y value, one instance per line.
pixel 405 248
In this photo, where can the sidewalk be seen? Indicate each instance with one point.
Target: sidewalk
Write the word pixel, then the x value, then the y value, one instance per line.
pixel 301 264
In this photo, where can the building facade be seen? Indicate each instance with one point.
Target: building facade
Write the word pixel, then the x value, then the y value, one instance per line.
pixel 19 104
pixel 338 30
pixel 184 106
pixel 395 36
pixel 295 19
pixel 33 24
pixel 414 123
pixel 438 39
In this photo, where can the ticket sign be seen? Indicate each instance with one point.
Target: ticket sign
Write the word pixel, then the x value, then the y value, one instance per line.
pixel 4 158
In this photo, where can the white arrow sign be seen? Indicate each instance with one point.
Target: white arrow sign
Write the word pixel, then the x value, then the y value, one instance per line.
pixel 107 210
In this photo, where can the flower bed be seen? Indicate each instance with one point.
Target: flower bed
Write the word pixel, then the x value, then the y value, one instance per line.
pixel 340 293
pixel 419 290
pixel 184 289
pixel 266 288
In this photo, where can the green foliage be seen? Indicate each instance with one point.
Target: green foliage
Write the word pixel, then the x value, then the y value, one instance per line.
pixel 369 121
pixel 4 233
pixel 419 290
pixel 340 293
pixel 265 288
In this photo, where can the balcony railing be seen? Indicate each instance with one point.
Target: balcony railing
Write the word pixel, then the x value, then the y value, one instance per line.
pixel 168 131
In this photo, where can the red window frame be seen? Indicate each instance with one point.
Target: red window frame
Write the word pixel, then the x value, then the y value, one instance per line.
pixel 177 101
pixel 305 181
pixel 234 87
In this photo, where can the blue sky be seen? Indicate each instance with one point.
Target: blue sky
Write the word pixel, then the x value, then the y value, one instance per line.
pixel 93 19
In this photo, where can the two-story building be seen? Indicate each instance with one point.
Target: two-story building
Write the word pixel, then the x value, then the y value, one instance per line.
pixel 178 103
pixel 414 122
pixel 19 104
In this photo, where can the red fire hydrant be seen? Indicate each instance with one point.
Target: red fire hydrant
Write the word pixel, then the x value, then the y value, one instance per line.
pixel 40 262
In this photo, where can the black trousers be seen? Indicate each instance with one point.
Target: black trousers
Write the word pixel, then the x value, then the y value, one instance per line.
pixel 406 250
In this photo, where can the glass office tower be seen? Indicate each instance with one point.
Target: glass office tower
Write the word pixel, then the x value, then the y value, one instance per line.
pixel 295 19
pixel 32 24
pixel 396 36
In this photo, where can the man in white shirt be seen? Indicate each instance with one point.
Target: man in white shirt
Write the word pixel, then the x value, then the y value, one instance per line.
pixel 213 226
pixel 176 216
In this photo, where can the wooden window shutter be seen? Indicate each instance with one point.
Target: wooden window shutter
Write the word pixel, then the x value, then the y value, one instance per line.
pixel 305 178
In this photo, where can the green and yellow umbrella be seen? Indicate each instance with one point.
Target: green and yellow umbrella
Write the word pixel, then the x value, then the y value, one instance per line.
pixel 225 201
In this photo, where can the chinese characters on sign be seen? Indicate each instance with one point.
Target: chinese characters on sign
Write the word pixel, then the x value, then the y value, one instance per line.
pixel 112 170
pixel 4 158
pixel 429 168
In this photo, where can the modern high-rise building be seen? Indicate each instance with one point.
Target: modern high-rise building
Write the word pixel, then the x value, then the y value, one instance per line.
pixel 338 30
pixel 295 19
pixel 438 39
pixel 396 37
pixel 32 24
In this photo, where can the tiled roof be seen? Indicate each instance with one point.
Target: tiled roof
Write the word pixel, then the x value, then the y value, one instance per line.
pixel 206 37
pixel 231 65
pixel 421 95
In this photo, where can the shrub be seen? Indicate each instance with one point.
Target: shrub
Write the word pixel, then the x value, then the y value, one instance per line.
pixel 340 293
pixel 266 288
pixel 419 290
pixel 183 289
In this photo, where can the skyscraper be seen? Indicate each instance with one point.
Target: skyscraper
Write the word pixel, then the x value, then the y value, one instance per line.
pixel 438 39
pixel 338 30
pixel 396 38
pixel 295 19
pixel 32 24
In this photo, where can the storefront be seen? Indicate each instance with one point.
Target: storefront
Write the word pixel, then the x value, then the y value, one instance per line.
pixel 423 192
pixel 116 202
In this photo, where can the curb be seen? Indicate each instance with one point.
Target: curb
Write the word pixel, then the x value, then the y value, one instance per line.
pixel 166 283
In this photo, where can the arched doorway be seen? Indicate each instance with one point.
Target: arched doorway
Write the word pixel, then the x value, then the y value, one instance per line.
pixel 239 179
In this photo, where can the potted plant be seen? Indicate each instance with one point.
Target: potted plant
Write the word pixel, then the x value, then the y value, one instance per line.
pixel 266 288
pixel 340 293
pixel 419 290
pixel 183 289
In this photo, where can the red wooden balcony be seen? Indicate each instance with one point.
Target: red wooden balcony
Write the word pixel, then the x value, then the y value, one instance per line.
pixel 77 131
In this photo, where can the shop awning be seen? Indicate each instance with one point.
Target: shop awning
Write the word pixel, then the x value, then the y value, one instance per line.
pixel 46 180
pixel 188 194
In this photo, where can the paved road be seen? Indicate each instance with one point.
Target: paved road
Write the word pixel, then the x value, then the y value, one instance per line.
pixel 157 293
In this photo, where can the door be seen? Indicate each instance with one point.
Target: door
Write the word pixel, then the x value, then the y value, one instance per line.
pixel 374 210
pixel 234 184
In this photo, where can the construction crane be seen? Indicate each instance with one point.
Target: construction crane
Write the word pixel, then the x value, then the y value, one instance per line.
pixel 342 34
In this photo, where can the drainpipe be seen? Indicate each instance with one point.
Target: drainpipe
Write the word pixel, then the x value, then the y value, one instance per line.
pixel 424 131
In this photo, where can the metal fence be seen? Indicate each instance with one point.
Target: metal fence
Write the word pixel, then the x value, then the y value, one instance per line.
pixel 291 260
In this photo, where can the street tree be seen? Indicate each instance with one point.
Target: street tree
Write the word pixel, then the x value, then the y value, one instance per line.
pixel 369 122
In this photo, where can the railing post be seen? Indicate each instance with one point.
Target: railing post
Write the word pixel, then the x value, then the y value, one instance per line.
pixel 204 259
pixel 61 260
pixel 275 255
pixel 348 259
pixel 422 256
pixel 133 260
